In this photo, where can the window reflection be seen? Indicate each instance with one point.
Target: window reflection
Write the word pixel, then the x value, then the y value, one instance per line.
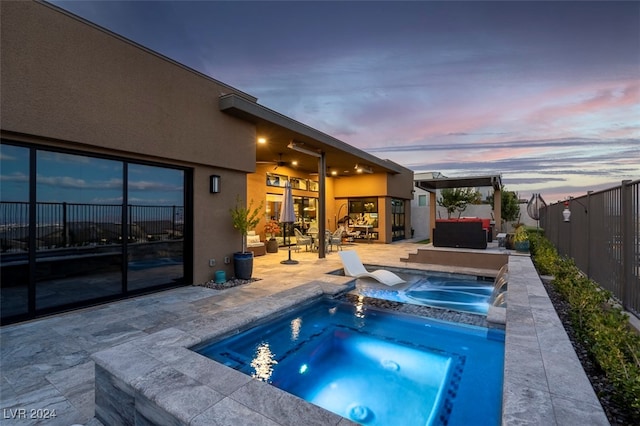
pixel 84 211
pixel 78 228
pixel 14 229
pixel 156 226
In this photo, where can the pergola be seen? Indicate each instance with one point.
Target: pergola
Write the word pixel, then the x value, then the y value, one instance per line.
pixel 432 185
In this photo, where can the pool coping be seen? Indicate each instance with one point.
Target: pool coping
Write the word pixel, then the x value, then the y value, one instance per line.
pixel 158 379
pixel 544 381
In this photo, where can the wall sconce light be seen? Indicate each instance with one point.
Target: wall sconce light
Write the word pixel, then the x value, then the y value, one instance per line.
pixel 214 184
pixel 566 213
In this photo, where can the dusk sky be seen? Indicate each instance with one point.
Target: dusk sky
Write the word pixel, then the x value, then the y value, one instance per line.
pixel 545 93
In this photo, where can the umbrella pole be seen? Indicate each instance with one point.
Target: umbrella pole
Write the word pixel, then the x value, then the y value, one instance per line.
pixel 288 243
pixel 288 261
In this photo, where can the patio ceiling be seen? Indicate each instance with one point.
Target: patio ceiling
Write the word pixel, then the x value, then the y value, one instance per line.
pixel 432 185
pixel 279 131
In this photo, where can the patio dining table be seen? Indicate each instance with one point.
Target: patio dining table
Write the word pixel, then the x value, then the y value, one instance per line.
pixel 366 229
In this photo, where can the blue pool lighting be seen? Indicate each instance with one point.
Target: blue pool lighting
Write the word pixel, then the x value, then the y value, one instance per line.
pixel 372 366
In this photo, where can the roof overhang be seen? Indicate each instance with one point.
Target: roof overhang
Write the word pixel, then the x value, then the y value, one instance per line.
pixel 281 130
pixel 432 185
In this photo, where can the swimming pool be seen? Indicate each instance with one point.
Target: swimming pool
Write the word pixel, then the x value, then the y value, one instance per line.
pixel 374 367
pixel 466 293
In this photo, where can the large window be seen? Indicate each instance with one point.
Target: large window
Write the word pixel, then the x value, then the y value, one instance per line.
pixel 77 229
pixel 398 221
pixel 363 216
pixel 14 230
pixel 305 209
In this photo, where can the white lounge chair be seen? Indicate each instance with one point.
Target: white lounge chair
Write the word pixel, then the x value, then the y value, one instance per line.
pixel 353 267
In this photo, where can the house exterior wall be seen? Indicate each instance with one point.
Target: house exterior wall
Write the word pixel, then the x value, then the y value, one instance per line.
pixel 67 80
pixel 383 186
pixel 70 85
pixel 420 215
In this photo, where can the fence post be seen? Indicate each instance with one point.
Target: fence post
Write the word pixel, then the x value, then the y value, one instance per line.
pixel 65 226
pixel 627 239
pixel 589 214
pixel 173 222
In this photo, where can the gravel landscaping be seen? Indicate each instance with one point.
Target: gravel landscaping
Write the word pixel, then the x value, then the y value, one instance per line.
pixel 233 282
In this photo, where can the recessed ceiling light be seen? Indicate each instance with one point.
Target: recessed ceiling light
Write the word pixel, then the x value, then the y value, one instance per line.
pixel 294 163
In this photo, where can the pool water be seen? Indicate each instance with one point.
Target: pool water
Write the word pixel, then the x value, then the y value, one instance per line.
pixel 374 367
pixel 465 293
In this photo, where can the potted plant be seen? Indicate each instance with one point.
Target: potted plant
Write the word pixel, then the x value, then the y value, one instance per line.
pixel 521 239
pixel 244 219
pixel 271 229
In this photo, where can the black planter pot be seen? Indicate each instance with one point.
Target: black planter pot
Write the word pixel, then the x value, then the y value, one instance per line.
pixel 243 265
pixel 272 246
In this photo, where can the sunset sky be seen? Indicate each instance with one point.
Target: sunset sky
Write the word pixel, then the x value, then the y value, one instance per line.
pixel 545 93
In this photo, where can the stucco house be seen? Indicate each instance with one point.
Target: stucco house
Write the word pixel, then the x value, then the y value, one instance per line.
pixel 120 165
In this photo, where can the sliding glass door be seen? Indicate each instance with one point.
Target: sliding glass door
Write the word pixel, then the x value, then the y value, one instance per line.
pixel 76 229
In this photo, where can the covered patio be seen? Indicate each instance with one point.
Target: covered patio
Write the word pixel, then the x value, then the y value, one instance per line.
pixel 341 171
pixel 434 184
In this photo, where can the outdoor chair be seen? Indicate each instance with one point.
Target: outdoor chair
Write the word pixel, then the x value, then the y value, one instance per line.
pixel 302 240
pixel 336 238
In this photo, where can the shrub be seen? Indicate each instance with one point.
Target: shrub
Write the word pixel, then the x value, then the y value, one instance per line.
pixel 545 254
pixel 601 326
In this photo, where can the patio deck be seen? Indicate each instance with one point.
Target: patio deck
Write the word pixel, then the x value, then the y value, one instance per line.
pixel 47 364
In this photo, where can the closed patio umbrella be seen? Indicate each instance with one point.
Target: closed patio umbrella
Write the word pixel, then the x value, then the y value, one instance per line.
pixel 287 215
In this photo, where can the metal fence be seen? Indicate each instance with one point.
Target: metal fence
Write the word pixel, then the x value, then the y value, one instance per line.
pixel 602 235
pixel 59 225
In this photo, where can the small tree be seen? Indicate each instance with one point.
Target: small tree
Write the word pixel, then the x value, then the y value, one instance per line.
pixel 245 218
pixel 510 209
pixel 457 199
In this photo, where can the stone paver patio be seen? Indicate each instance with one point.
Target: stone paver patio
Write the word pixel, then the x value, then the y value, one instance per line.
pixel 48 364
